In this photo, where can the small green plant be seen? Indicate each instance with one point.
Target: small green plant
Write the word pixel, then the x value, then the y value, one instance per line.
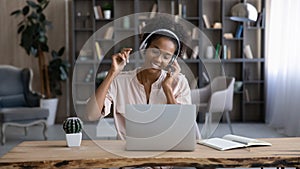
pixel 72 125
pixel 107 6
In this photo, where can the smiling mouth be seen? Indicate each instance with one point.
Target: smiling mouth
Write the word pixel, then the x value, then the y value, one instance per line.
pixel 155 66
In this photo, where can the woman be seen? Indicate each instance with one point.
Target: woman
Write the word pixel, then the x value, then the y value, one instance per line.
pixel 158 81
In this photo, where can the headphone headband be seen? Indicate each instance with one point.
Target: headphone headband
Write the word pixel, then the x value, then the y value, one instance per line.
pixel 144 43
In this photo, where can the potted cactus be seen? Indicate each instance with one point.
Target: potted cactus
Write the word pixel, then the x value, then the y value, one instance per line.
pixel 73 127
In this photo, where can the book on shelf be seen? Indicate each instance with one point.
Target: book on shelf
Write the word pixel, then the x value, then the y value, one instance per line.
pixel 230 141
pixel 224 51
pixel 100 13
pixel 184 10
pixel 218 51
pixel 109 33
pixel 153 10
pixel 248 52
pixel 228 52
pixel 141 26
pixel 96 12
pixel 206 21
pixel 195 52
pixel 195 33
pixel 98 51
pixel 179 8
pixel 172 7
pixel 239 31
pixel 247 97
pixel 260 19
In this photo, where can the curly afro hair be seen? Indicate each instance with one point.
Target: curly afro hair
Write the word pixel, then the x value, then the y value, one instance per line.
pixel 169 23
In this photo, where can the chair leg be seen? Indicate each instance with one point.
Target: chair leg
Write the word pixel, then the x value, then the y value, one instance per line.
pixel 199 117
pixel 229 121
pixel 26 130
pixel 209 123
pixel 1 135
pixel 45 129
pixel 3 127
pixel 198 135
pixel 207 126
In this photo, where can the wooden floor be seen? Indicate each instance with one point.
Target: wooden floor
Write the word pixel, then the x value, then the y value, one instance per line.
pixel 15 135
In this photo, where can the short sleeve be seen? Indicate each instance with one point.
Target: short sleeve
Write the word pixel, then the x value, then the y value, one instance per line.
pixel 109 99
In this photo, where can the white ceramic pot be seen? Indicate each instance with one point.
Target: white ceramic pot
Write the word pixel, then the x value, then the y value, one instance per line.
pixel 209 52
pixel 51 105
pixel 107 14
pixel 74 139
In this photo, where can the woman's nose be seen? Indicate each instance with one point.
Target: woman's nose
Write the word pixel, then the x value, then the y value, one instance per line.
pixel 158 58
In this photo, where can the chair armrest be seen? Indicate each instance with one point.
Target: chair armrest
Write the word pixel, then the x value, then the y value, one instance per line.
pixel 217 102
pixel 204 93
pixel 32 98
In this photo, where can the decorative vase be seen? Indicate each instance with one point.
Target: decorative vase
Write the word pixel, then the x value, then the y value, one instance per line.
pixel 238 86
pixel 73 127
pixel 51 105
pixel 209 52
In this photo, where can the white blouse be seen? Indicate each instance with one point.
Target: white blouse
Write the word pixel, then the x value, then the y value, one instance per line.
pixel 126 89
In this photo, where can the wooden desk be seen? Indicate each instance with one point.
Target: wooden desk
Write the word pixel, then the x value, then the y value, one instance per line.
pixel 285 152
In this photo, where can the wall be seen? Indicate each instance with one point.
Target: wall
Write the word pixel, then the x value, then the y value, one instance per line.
pixel 13 54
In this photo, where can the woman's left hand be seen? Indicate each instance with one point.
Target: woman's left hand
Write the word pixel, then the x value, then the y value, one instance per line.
pixel 167 83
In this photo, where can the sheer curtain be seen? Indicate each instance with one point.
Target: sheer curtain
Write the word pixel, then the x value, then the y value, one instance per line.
pixel 283 66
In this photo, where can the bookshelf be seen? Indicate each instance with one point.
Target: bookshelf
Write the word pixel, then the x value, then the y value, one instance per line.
pixel 250 72
pixel 247 68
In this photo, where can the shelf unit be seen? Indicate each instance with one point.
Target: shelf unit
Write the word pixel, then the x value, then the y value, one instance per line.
pixel 249 102
pixel 249 71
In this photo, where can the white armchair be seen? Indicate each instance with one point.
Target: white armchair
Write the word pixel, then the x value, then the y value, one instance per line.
pixel 216 97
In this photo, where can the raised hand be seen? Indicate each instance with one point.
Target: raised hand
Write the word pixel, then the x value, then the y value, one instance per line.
pixel 120 59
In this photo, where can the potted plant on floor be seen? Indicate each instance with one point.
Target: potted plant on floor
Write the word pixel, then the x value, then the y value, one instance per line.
pixel 33 31
pixel 73 127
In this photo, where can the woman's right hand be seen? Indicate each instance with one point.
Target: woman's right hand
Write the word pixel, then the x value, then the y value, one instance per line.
pixel 119 60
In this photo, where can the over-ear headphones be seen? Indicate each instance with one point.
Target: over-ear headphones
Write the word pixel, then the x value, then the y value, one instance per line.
pixel 145 43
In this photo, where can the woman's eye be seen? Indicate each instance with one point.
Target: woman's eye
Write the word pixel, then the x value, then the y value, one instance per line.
pixel 156 52
pixel 167 57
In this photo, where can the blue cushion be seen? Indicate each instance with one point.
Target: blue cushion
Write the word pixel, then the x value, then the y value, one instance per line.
pixel 23 114
pixel 13 101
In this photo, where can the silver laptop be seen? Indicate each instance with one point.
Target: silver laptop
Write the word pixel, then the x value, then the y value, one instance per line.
pixel 160 127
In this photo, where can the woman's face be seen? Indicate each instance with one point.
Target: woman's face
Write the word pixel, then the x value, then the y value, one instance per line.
pixel 159 53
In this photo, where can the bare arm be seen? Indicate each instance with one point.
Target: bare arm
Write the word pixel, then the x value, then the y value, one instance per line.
pixel 96 102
